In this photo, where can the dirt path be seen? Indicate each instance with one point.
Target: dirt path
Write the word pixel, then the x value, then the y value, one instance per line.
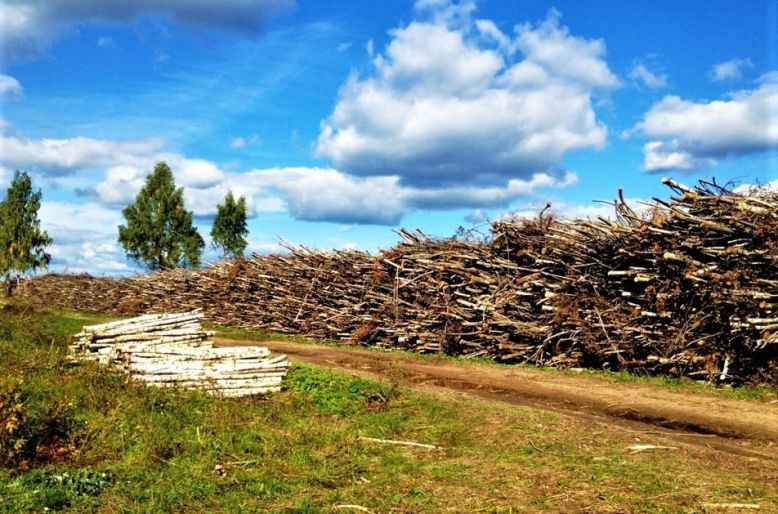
pixel 744 427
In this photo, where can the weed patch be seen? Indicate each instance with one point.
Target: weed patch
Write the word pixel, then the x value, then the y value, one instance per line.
pixel 339 394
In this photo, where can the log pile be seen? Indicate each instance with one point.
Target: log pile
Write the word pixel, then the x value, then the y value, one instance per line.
pixel 686 287
pixel 173 350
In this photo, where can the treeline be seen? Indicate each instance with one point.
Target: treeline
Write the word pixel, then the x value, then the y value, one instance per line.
pixel 158 232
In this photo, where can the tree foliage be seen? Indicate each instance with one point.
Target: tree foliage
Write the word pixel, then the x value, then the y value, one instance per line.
pixel 22 242
pixel 229 229
pixel 159 232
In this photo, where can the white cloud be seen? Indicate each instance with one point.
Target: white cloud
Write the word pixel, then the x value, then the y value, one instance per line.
pixel 337 243
pixel 671 155
pixel 265 247
pixel 10 88
pixel 320 194
pixel 196 173
pixel 490 31
pixel 688 135
pixel 576 211
pixel 27 27
pixel 85 238
pixel 771 186
pixel 730 70
pixel 63 156
pixel 269 204
pixel 121 184
pixel 126 163
pixel 443 108
pixel 641 73
pixel 315 194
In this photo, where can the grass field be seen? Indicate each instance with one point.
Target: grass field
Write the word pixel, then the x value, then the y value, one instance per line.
pixel 83 439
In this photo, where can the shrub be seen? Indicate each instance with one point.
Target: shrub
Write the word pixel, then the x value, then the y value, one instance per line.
pixel 35 427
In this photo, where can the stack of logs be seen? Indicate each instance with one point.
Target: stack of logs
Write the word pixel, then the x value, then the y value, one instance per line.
pixel 173 350
pixel 686 287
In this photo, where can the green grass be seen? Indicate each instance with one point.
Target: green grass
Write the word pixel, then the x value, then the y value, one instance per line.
pixel 107 445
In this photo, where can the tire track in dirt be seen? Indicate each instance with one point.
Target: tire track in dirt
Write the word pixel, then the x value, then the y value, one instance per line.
pixel 740 427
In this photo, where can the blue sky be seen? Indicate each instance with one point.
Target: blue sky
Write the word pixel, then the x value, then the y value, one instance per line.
pixel 340 121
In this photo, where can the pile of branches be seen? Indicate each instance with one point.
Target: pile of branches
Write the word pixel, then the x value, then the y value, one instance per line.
pixel 685 287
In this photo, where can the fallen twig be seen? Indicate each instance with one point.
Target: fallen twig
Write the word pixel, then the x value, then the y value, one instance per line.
pixel 399 443
pixel 635 448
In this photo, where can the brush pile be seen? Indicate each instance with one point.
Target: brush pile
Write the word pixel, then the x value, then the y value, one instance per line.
pixel 685 287
pixel 174 350
pixel 688 287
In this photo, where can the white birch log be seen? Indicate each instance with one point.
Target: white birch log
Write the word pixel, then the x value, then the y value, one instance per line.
pixel 168 350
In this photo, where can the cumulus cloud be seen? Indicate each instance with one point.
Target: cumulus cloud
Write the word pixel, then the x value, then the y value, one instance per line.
pixel 63 156
pixel 454 102
pixel 127 163
pixel 730 70
pixel 688 135
pixel 10 88
pixel 642 74
pixel 326 194
pixel 313 194
pixel 26 26
pixel 84 238
pixel 320 194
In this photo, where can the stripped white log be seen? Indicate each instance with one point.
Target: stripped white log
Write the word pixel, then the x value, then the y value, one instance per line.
pixel 188 321
pixel 134 321
pixel 221 365
pixel 148 336
pixel 218 383
pixel 172 350
pixel 203 352
pixel 199 374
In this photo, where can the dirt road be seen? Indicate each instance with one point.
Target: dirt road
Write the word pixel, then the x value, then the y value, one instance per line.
pixel 744 427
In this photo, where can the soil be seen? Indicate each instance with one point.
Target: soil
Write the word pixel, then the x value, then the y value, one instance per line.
pixel 745 428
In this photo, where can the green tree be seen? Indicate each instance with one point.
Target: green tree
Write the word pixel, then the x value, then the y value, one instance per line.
pixel 229 229
pixel 159 232
pixel 22 242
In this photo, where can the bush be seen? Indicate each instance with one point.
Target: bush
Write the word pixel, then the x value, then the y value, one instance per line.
pixel 35 427
pixel 37 418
